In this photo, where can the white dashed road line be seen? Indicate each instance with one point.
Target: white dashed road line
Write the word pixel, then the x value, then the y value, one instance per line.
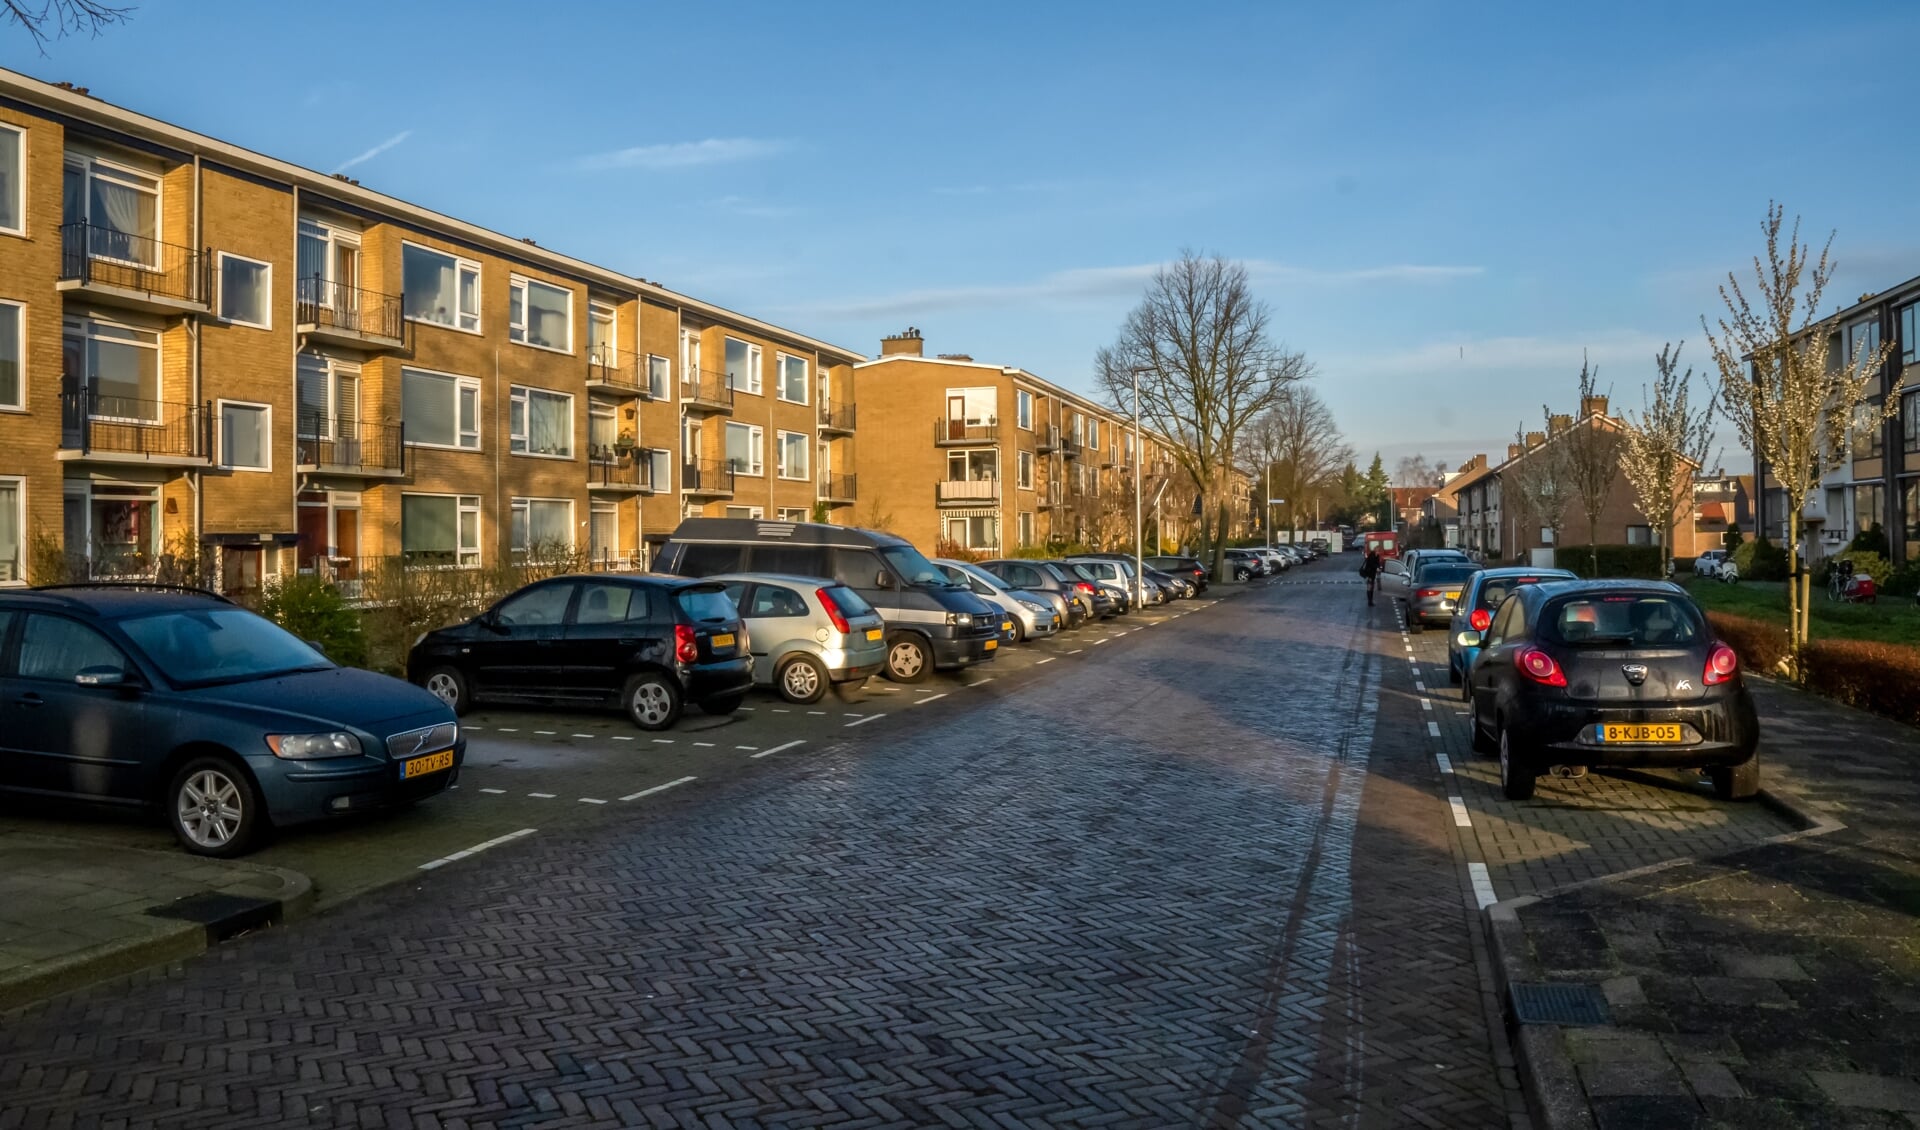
pixel 591 800
pixel 1433 729
pixel 1482 885
pixel 709 745
pixel 663 741
pixel 1460 817
pixel 545 733
pixel 778 748
pixel 580 735
pixel 495 792
pixel 863 721
pixel 924 701
pixel 1446 765
pixel 542 796
pixel 477 849
pixel 622 738
pixel 1426 704
pixel 1048 659
pixel 658 788
pixel 748 748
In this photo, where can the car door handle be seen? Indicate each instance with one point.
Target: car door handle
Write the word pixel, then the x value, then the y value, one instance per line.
pixel 30 699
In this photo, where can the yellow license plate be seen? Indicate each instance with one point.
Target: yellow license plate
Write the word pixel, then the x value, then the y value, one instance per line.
pixel 431 763
pixel 1006 625
pixel 722 639
pixel 1453 594
pixel 991 644
pixel 1657 733
pixel 873 633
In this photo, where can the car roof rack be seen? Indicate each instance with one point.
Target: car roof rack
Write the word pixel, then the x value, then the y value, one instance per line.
pixel 131 586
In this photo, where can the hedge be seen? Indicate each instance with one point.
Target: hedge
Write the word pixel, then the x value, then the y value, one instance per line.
pixel 1878 677
pixel 1641 561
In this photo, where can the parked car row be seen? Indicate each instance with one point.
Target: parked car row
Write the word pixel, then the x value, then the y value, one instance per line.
pixel 1266 561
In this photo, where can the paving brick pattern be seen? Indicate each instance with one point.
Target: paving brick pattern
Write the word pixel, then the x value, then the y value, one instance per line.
pixel 1201 882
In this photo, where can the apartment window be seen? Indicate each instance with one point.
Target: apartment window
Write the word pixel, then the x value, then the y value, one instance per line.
pixel 746 512
pixel 13 171
pixel 791 514
pixel 13 519
pixel 13 344
pixel 603 531
pixel 793 455
pixel 246 291
pixel 328 391
pixel 743 366
pixel 540 314
pixel 440 529
pixel 659 374
pixel 1863 338
pixel 1639 535
pixel 974 531
pixel 661 466
pixel 743 448
pixel 331 257
pixel 1026 527
pixel 1869 505
pixel 1024 466
pixel 975 407
pixel 117 528
pixel 1869 432
pixel 540 422
pixel 793 378
pixel 1080 430
pixel 1909 333
pixel 1909 513
pixel 603 334
pixel 1093 435
pixel 1909 419
pixel 118 366
pixel 542 527
pixel 119 205
pixel 972 466
pixel 246 432
pixel 440 288
pixel 440 410
pixel 602 430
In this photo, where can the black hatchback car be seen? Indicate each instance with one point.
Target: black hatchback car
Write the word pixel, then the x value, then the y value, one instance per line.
pixel 178 699
pixel 647 644
pixel 1576 674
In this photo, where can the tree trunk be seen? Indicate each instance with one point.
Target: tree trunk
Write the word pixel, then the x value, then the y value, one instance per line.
pixel 1796 596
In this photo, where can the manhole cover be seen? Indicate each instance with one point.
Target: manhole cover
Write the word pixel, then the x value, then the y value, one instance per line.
pixel 1557 1003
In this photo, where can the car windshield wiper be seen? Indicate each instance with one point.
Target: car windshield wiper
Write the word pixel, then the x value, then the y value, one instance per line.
pixel 1592 640
pixel 254 676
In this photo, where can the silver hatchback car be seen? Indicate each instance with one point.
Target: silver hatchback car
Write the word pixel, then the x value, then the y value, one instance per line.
pixel 806 633
pixel 1032 616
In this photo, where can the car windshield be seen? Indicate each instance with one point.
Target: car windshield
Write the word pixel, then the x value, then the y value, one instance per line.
pixel 706 605
pixel 203 646
pixel 1055 572
pixel 1495 589
pixel 1623 620
pixel 988 579
pixel 1446 572
pixel 913 568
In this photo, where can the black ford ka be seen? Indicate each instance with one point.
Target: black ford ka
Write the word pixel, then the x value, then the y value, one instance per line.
pixel 1578 674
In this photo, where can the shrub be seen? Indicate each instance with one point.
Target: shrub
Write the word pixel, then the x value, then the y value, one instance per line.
pixel 1610 560
pixel 1879 677
pixel 1762 646
pixel 1761 560
pixel 1733 539
pixel 314 610
pixel 1061 549
pixel 1683 564
pixel 954 551
pixel 1904 581
pixel 1873 539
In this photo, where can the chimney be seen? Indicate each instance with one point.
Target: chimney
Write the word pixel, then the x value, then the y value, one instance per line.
pixel 1559 423
pixel 1593 406
pixel 1513 451
pixel 902 344
pixel 1535 439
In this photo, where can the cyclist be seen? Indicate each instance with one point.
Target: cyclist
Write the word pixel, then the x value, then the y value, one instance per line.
pixel 1370 569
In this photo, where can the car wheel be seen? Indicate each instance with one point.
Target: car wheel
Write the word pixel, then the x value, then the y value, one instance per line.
pixel 907 659
pixel 449 686
pixel 722 706
pixel 1516 780
pixel 652 700
pixel 1019 630
pixel 801 679
pixel 1736 782
pixel 1481 742
pixel 215 808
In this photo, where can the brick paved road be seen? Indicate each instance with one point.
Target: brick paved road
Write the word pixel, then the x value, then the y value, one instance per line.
pixel 1200 882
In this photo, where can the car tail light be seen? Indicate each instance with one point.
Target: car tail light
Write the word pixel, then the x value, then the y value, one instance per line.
pixel 1722 665
pixel 1482 619
pixel 1083 587
pixel 1539 666
pixel 685 648
pixel 1429 592
pixel 833 613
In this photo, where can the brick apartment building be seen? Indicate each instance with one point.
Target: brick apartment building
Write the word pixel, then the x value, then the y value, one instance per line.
pixel 202 345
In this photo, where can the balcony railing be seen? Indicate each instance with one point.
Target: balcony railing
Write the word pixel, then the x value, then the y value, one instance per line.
pixel 349 446
pixel 614 370
pixel 1046 440
pixel 706 388
pixel 612 468
pixel 969 490
pixel 93 255
pixel 327 308
pixel 946 431
pixel 836 419
pixel 838 488
pixel 706 476
pixel 150 429
pixel 1069 446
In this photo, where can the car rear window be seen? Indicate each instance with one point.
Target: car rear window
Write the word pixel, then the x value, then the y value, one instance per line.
pixel 1636 620
pixel 850 603
pixel 706 605
pixel 1446 573
pixel 1493 590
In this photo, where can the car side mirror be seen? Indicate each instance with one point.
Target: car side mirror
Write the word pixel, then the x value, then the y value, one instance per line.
pixel 491 623
pixel 103 676
pixel 1468 639
pixel 883 579
pixel 316 645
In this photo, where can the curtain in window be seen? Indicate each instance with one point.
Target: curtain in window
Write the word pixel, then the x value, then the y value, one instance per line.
pixel 10 162
pixel 126 378
pixel 428 283
pixel 242 431
pixel 9 353
pixel 549 424
pixel 243 291
pixel 123 221
pixel 602 527
pixel 9 532
pixel 662 469
pixel 426 407
pixel 311 384
pixel 601 432
pixel 427 525
pixel 740 447
pixel 549 524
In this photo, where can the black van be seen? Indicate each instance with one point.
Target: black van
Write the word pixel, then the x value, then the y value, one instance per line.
pixel 931 622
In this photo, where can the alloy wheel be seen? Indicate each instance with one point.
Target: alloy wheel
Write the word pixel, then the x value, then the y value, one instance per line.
pixel 210 807
pixel 801 680
pixel 905 659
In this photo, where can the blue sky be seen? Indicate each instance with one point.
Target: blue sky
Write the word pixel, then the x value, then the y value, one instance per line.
pixel 1442 209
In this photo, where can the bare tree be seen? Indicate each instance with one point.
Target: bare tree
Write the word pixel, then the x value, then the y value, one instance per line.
pixel 1664 444
pixel 1537 487
pixel 1298 440
pixel 1792 407
pixel 1593 446
pixel 1414 471
pixel 1199 344
pixel 56 19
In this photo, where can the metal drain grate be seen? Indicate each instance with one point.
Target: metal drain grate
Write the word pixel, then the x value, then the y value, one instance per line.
pixel 1558 1003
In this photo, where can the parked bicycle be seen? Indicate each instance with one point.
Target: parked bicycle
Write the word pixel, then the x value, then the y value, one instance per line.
pixel 1845 584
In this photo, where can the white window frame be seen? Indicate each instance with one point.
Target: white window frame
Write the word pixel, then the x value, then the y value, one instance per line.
pixel 609 314
pixel 595 508
pixel 220 273
pixel 1023 409
pixel 662 484
pixel 790 514
pixel 804 444
pixel 517 331
pixel 84 325
pixel 754 512
pixel 463 504
pixel 968 396
pixel 664 390
pixel 757 437
pixel 1093 435
pixel 20 189
pixel 460 385
pixel 220 407
pixel 780 366
pixel 460 264
pixel 19 564
pixel 1023 470
pixel 333 370
pixel 1023 528
pixel 122 174
pixel 19 363
pixel 756 359
pixel 521 396
pixel 522 506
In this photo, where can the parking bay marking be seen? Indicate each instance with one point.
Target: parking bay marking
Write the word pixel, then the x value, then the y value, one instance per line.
pixel 477 849
pixel 1433 729
pixel 1482 885
pixel 495 792
pixel 1446 765
pixel 591 800
pixel 1426 704
pixel 658 788
pixel 789 745
pixel 1460 817
pixel 663 741
pixel 542 796
pixel 1048 659
pixel 864 721
pixel 921 702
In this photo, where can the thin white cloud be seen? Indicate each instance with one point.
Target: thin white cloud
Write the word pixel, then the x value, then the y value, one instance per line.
pixel 687 154
pixel 370 154
pixel 1454 357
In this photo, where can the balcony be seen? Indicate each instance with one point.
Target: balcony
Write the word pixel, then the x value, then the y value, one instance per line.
pixel 1049 496
pixel 837 419
pixel 710 477
pixel 1046 440
pixel 133 272
pixel 324 446
pixel 116 429
pixel 838 488
pixel 706 389
pixel 1069 447
pixel 615 371
pixel 968 492
pixel 329 312
pixel 948 432
pixel 610 469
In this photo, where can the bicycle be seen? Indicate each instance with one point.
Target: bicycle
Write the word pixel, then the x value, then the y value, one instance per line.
pixel 1839 579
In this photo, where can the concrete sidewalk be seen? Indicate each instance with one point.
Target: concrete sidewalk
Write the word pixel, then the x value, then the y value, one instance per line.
pixel 1777 985
pixel 74 912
